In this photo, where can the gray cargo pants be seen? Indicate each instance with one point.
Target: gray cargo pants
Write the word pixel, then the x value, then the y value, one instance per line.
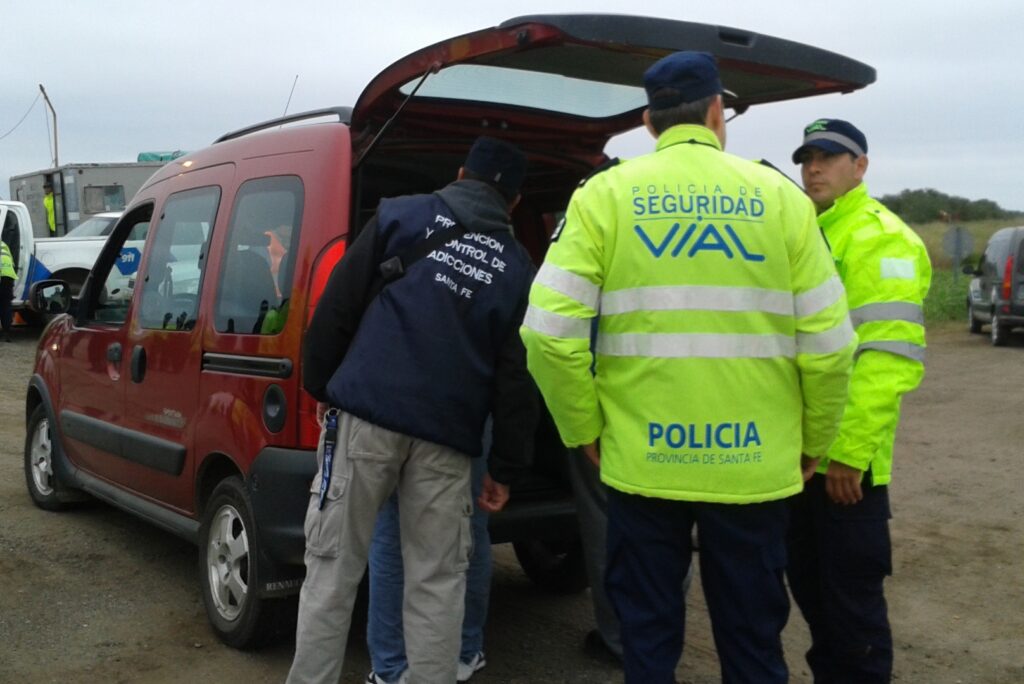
pixel 435 506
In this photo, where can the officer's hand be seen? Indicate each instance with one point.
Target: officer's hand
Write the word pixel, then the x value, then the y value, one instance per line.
pixel 842 482
pixel 592 452
pixel 321 411
pixel 493 495
pixel 808 466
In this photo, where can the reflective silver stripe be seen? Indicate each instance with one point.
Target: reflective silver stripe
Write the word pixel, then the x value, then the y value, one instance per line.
pixel 908 349
pixel 827 342
pixel 888 311
pixel 836 137
pixel 683 345
pixel 819 298
pixel 701 297
pixel 569 284
pixel 556 325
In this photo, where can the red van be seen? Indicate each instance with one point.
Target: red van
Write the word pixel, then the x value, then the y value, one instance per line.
pixel 173 389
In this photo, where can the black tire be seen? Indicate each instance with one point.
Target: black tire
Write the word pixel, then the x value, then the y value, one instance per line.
pixel 229 570
pixel 557 567
pixel 46 490
pixel 973 324
pixel 1000 333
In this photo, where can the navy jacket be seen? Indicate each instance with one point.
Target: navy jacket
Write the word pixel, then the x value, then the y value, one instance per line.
pixel 437 350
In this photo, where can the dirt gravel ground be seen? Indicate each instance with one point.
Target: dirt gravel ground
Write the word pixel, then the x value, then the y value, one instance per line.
pixel 93 595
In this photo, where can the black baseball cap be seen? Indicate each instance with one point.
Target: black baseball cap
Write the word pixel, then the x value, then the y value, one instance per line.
pixel 498 162
pixel 834 136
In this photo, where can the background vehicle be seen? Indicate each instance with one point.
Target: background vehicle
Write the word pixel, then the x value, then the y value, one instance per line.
pixel 66 258
pixel 174 391
pixel 996 293
pixel 80 191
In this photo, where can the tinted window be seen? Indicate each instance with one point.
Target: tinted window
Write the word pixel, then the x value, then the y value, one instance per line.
pixel 995 254
pixel 176 261
pixel 259 258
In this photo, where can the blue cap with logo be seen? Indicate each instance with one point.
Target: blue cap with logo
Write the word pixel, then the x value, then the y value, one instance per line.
pixel 682 77
pixel 497 162
pixel 834 136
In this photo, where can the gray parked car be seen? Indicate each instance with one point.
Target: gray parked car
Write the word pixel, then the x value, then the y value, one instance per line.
pixel 996 294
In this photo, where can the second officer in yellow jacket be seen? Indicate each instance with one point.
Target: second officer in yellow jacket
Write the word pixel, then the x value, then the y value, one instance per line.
pixel 840 552
pixel 722 355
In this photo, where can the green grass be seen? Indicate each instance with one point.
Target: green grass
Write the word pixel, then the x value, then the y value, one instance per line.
pixel 947 298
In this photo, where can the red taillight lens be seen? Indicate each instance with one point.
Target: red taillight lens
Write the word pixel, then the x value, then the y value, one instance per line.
pixel 322 269
pixel 309 430
pixel 1008 278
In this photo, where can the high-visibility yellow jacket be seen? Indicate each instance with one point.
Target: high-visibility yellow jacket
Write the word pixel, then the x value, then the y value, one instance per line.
pixel 48 205
pixel 885 268
pixel 723 345
pixel 7 262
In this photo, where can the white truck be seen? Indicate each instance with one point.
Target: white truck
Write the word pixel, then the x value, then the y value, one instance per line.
pixel 80 191
pixel 66 258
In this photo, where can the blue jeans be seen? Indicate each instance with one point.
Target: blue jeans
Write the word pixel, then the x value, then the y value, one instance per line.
pixel 384 626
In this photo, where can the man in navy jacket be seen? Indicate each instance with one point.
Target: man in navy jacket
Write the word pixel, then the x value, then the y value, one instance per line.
pixel 414 372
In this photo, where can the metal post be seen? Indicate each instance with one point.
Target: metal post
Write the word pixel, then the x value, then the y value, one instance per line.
pixel 56 152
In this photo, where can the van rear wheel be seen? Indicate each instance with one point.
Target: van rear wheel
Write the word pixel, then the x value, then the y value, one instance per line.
pixel 555 566
pixel 229 570
pixel 1000 333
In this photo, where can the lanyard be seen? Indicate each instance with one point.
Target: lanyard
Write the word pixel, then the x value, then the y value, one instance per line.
pixel 330 440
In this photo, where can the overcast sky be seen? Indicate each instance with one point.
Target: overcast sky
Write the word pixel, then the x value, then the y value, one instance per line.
pixel 946 112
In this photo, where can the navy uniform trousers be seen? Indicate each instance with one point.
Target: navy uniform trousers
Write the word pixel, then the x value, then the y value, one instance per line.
pixel 839 557
pixel 742 559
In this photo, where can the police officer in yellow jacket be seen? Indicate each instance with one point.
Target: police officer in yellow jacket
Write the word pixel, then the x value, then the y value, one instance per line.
pixel 722 355
pixel 839 549
pixel 8 275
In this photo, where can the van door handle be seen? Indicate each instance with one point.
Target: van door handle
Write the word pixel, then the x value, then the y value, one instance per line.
pixel 114 353
pixel 138 364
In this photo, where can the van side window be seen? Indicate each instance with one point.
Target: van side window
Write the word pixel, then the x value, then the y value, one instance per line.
pixel 255 286
pixel 177 260
pixel 116 271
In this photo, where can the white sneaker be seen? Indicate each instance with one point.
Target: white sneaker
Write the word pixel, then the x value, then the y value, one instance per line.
pixel 475 664
pixel 374 678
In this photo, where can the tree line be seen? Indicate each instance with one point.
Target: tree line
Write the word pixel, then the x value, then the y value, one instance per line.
pixel 922 206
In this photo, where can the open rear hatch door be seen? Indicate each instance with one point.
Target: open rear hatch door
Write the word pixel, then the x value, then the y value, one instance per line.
pixel 574 80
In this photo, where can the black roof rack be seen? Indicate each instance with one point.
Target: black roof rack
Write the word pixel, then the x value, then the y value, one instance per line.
pixel 344 115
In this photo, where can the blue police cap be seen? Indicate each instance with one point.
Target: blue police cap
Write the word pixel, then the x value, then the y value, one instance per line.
pixel 834 136
pixel 686 76
pixel 497 162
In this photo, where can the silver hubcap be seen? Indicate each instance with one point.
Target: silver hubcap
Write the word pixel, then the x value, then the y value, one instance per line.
pixel 41 457
pixel 227 562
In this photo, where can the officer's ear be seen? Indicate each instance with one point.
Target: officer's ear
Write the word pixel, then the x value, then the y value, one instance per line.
pixel 648 125
pixel 514 203
pixel 860 167
pixel 461 174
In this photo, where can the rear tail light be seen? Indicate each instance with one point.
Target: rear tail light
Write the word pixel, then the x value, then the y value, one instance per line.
pixel 322 269
pixel 1008 278
pixel 309 430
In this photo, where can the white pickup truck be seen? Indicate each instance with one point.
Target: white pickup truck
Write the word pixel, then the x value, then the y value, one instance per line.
pixel 67 258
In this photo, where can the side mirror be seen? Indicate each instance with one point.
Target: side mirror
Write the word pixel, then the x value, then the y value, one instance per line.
pixel 50 297
pixel 970 270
